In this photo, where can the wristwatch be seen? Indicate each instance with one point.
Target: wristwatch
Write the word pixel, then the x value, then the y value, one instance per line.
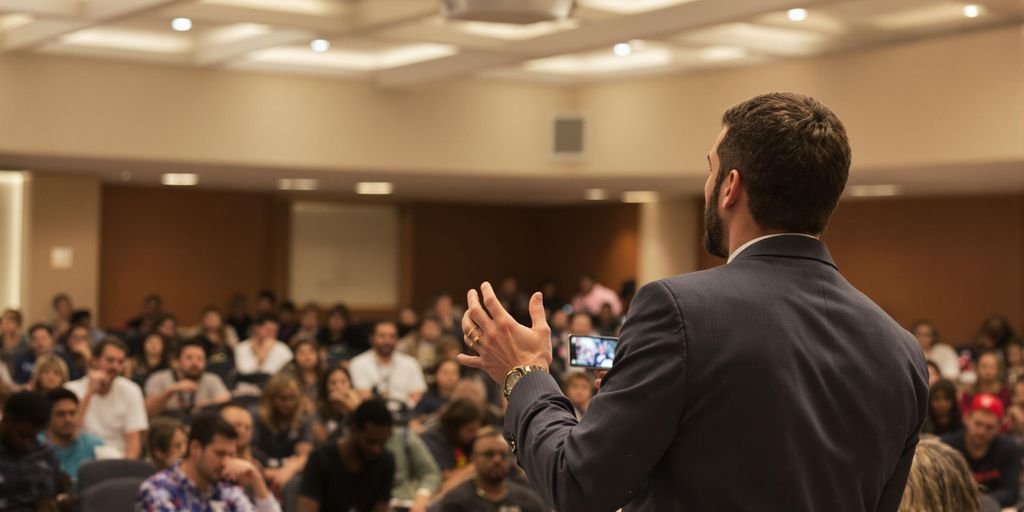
pixel 518 373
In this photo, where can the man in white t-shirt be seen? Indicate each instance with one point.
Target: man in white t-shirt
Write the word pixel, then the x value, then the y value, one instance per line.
pixel 263 352
pixel 111 407
pixel 384 372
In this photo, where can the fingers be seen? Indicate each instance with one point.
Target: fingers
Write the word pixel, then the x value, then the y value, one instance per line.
pixel 537 314
pixel 495 308
pixel 470 361
pixel 476 316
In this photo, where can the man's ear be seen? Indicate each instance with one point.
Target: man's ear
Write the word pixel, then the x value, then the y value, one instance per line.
pixel 732 187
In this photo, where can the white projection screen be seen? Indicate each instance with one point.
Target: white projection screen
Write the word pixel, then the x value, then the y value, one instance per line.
pixel 344 253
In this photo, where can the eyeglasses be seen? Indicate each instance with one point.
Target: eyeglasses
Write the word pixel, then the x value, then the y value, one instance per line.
pixel 491 453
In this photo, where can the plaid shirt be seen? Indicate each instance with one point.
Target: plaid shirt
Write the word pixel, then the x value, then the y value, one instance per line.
pixel 171 491
pixel 24 479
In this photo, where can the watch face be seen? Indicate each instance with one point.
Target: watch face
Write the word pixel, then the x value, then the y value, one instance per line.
pixel 511 380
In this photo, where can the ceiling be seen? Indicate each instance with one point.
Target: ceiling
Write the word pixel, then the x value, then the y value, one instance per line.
pixel 405 43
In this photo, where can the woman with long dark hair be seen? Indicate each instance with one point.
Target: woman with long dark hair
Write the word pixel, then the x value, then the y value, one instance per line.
pixel 943 411
pixel 336 401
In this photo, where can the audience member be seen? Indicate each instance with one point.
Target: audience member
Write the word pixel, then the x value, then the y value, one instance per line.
pixel 448 315
pixel 607 323
pixel 934 375
pixel 336 338
pixel 446 375
pixel 990 380
pixel 41 343
pixel 30 475
pixel 424 343
pixel 552 300
pixel 1013 353
pixel 78 347
pixel 336 401
pixel 516 302
pixel 307 368
pixel 152 311
pixel 994 459
pixel 210 478
pixel 167 325
pixel 165 442
pixel 282 429
pixel 155 357
pixel 266 303
pixel 417 476
pixel 450 441
pixel 579 389
pixel 309 324
pixel 593 295
pixel 1015 414
pixel 71 447
pixel 289 322
pixel 407 321
pixel 934 350
pixel 187 388
pixel 50 372
pixel 262 353
pixel 62 311
pixel 83 318
pixel 241 419
pixel 356 472
pixel 222 337
pixel 387 374
pixel 943 411
pixel 13 343
pixel 111 406
pixel 238 316
pixel 492 490
pixel 939 481
pixel 994 333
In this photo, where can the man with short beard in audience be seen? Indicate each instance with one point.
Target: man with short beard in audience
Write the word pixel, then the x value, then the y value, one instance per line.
pixel 492 490
pixel 186 389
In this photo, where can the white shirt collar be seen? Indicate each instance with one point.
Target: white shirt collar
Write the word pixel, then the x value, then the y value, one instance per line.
pixel 758 239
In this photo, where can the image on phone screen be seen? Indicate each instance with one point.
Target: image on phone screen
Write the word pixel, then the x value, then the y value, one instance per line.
pixel 592 352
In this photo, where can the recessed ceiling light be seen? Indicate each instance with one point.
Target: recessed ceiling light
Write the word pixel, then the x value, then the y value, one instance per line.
pixel 298 184
pixel 179 179
pixel 181 24
pixel 875 190
pixel 595 194
pixel 622 49
pixel 320 45
pixel 639 196
pixel 126 176
pixel 374 188
pixel 797 14
pixel 972 10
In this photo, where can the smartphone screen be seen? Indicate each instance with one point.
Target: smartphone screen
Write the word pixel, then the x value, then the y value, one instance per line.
pixel 592 352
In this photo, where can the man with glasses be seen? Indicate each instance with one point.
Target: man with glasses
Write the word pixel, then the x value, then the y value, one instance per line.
pixel 492 489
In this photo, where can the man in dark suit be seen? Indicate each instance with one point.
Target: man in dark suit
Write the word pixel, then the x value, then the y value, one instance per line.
pixel 769 383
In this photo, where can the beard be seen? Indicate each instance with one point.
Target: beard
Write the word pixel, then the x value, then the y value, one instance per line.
pixel 714 231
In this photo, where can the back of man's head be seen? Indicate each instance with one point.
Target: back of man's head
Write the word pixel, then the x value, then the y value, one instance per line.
pixel 371 411
pixel 794 156
pixel 460 413
pixel 27 407
pixel 208 425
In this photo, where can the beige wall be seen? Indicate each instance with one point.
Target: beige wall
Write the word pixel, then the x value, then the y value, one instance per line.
pixel 668 239
pixel 63 211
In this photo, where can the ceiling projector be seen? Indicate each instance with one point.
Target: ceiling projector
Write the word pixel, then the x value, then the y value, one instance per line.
pixel 521 12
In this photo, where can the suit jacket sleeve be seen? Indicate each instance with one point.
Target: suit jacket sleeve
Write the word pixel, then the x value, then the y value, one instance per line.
pixel 602 462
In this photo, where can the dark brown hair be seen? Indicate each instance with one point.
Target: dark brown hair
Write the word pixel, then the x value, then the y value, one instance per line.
pixel 794 156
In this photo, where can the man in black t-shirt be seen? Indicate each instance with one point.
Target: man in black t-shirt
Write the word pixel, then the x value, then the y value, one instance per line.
pixel 354 473
pixel 492 490
pixel 994 459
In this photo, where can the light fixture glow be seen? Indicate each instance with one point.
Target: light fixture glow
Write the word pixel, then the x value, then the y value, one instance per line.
pixel 972 10
pixel 622 49
pixel 12 184
pixel 875 190
pixel 126 176
pixel 639 196
pixel 595 194
pixel 181 24
pixel 320 45
pixel 797 14
pixel 297 184
pixel 374 188
pixel 179 179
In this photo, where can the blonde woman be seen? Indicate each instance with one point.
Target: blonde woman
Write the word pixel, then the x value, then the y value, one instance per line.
pixel 50 372
pixel 939 480
pixel 283 429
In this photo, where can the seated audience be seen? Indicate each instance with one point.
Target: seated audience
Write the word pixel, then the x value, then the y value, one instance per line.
pixel 1013 354
pixel 263 353
pixel 944 356
pixel 424 344
pixel 62 311
pixel 994 459
pixel 990 380
pixel 282 429
pixel 165 442
pixel 385 373
pixel 939 481
pixel 336 337
pixel 407 321
pixel 220 341
pixel 71 447
pixel 155 356
pixel 309 324
pixel 49 373
pixel 446 375
pixel 943 411
pixel 1015 414
pixel 240 418
pixel 607 324
pixel 41 343
pixel 443 308
pixel 187 388
pixel 78 346
pixel 593 295
pixel 355 472
pixel 238 316
pixel 13 343
pixel 83 318
pixel 266 302
pixel 30 475
pixel 450 441
pixel 167 325
pixel 152 311
pixel 210 478
pixel 289 321
pixel 492 490
pixel 336 401
pixel 307 368
pixel 111 407
pixel 417 476
pixel 934 375
pixel 579 389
